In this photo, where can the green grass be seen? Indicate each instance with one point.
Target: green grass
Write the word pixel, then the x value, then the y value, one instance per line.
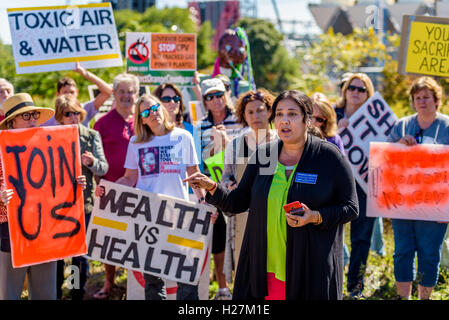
pixel 379 276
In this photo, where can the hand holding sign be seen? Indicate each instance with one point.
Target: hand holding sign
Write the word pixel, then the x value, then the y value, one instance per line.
pixel 6 195
pixel 408 140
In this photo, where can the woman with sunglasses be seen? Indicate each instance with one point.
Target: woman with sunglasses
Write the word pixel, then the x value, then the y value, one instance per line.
pixel 411 237
pixel 146 169
pixel 356 90
pixel 21 113
pixel 325 119
pixel 214 132
pixel 290 256
pixel 253 110
pixel 68 110
pixel 171 97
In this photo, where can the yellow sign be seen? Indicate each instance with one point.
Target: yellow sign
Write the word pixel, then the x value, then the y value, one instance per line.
pixel 428 49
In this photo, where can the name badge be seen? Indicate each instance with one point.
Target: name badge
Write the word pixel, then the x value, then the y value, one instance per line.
pixel 308 178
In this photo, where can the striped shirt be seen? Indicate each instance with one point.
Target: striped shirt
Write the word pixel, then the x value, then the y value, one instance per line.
pixel 202 136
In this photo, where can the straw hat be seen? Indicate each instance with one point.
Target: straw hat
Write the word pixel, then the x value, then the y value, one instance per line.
pixel 21 103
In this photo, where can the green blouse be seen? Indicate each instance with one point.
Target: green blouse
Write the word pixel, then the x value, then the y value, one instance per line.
pixel 277 223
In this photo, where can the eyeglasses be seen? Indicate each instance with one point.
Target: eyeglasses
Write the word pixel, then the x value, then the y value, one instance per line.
pixel 257 96
pixel 359 89
pixel 319 120
pixel 175 99
pixel 68 114
pixel 146 113
pixel 27 115
pixel 419 136
pixel 210 96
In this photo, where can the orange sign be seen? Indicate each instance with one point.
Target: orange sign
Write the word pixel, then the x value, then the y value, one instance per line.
pixel 409 182
pixel 46 213
pixel 173 51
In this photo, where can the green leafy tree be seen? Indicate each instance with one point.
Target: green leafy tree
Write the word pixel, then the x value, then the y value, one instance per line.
pixel 273 68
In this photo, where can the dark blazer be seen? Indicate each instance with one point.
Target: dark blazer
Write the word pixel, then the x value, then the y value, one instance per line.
pixel 90 140
pixel 314 258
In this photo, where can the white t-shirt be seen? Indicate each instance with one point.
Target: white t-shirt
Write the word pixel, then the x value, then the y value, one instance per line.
pixel 161 162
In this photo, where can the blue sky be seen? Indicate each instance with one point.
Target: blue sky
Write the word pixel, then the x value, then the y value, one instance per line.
pixel 288 9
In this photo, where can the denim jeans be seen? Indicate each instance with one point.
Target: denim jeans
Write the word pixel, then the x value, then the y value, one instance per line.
pixel 423 238
pixel 361 232
pixel 155 289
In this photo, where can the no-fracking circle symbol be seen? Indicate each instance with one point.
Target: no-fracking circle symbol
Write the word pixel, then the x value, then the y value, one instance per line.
pixel 138 52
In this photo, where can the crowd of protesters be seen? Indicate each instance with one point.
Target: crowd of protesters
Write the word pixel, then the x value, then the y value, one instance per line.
pixel 266 252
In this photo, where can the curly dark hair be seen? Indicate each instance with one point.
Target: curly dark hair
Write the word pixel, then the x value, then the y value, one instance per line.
pixel 260 94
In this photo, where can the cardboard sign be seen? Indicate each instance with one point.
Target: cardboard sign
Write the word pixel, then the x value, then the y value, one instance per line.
pixel 424 46
pixel 158 58
pixel 54 38
pixel 409 182
pixel 151 233
pixel 215 166
pixel 46 213
pixel 373 121
pixel 196 111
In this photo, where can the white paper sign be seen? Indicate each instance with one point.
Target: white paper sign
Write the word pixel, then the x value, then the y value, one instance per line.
pixel 373 121
pixel 147 232
pixel 55 38
pixel 409 182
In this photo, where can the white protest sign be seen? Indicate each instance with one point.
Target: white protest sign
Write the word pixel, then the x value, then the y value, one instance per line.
pixel 152 233
pixel 54 38
pixel 409 182
pixel 372 122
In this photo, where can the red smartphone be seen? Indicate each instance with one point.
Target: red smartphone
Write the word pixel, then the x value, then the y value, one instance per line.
pixel 294 208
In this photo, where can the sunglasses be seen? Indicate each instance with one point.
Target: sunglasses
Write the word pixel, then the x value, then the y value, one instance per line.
pixel 419 136
pixel 319 120
pixel 359 89
pixel 146 113
pixel 166 99
pixel 257 96
pixel 27 115
pixel 68 114
pixel 210 96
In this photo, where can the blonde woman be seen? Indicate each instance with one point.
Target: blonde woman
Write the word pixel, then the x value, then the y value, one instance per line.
pixel 145 168
pixel 325 119
pixel 356 90
pixel 68 110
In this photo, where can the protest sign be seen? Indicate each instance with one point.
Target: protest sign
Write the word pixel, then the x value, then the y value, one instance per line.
pixel 151 233
pixel 54 38
pixel 409 182
pixel 161 57
pixel 46 213
pixel 196 112
pixel 215 166
pixel 373 121
pixel 424 46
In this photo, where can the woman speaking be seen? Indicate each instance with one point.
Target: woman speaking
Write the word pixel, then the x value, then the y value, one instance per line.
pixel 286 256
